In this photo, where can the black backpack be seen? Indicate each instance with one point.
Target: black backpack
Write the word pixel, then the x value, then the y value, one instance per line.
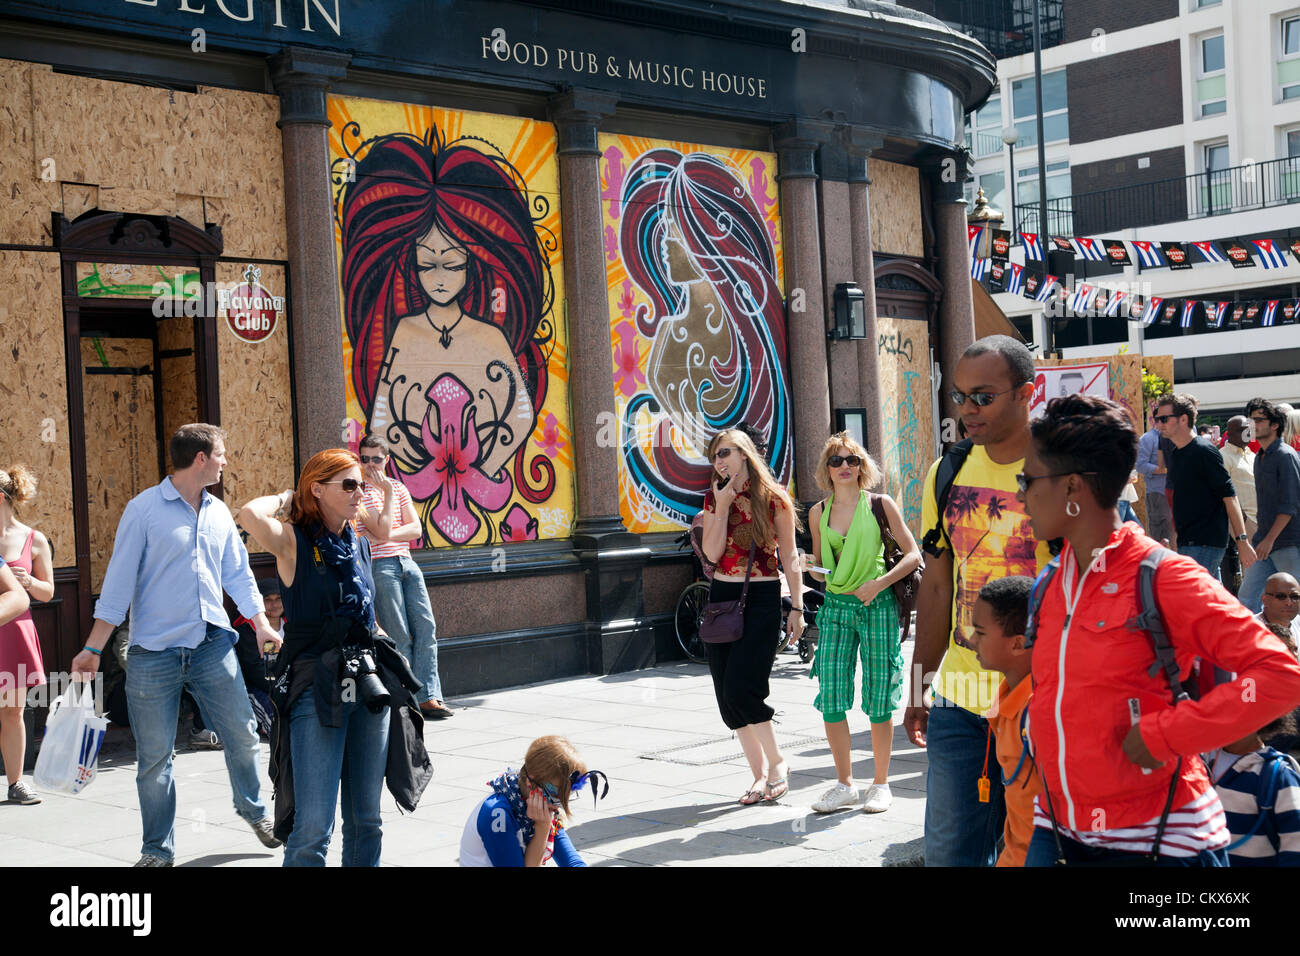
pixel 949 465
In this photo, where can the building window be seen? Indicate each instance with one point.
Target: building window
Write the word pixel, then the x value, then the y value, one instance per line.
pixel 1056 117
pixel 1288 61
pixel 988 128
pixel 1212 80
pixel 1216 182
pixel 1289 173
pixel 1060 216
pixel 1202 4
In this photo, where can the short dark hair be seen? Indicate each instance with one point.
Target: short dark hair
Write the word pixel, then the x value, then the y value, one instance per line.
pixel 1269 410
pixel 1086 433
pixel 1009 599
pixel 1020 361
pixel 1183 404
pixel 374 441
pixel 191 439
pixel 1282 726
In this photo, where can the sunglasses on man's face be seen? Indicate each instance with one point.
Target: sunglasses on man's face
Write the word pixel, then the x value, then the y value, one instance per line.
pixel 1283 596
pixel 851 460
pixel 1162 418
pixel 372 460
pixel 978 399
pixel 349 485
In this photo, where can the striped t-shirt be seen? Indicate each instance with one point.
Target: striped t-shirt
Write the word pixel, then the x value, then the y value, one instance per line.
pixel 1199 825
pixel 373 501
pixel 1276 837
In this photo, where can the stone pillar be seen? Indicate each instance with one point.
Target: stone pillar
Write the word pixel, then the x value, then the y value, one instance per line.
pixel 302 78
pixel 796 144
pixel 957 308
pixel 837 262
pixel 859 144
pixel 617 637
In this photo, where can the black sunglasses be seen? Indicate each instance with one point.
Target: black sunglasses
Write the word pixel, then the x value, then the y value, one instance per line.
pixel 1282 596
pixel 372 460
pixel 851 460
pixel 349 484
pixel 1162 418
pixel 978 399
pixel 722 453
pixel 1023 481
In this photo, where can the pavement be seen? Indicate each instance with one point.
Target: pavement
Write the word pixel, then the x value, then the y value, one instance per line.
pixel 675 775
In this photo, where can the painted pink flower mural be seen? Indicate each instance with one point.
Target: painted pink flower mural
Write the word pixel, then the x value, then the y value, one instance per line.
pixel 451 477
pixel 551 442
pixel 628 378
pixel 518 525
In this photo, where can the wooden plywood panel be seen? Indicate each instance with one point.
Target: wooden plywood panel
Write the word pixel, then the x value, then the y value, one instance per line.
pixel 121 439
pixel 34 390
pixel 895 208
pixel 903 349
pixel 28 200
pixel 180 397
pixel 256 400
pixel 251 211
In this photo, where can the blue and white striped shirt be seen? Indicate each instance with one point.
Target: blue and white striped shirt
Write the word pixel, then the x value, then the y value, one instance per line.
pixel 1276 841
pixel 169 567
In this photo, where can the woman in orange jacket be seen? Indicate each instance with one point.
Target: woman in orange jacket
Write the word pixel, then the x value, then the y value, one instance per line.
pixel 1123 782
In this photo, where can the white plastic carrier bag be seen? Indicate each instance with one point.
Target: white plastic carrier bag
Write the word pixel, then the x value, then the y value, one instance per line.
pixel 69 752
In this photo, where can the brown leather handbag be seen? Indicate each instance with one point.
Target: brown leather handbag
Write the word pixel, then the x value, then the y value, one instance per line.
pixel 905 589
pixel 723 622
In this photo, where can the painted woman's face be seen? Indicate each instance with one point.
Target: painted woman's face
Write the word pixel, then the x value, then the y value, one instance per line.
pixel 680 267
pixel 441 265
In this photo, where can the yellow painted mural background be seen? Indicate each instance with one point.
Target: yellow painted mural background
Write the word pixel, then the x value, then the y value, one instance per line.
pixel 530 147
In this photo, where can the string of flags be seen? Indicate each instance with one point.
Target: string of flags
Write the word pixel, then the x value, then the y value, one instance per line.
pixel 1003 275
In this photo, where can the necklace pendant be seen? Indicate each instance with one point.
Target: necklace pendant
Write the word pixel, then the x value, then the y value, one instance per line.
pixel 444 337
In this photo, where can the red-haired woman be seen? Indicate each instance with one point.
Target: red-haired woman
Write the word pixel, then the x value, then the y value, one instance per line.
pixel 337 713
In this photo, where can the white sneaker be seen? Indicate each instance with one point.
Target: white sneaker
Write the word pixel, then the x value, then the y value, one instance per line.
pixel 878 799
pixel 837 798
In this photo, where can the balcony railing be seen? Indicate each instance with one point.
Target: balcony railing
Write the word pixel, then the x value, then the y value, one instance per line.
pixel 1215 193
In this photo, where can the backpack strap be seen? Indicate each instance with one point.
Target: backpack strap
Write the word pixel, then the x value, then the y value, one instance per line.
pixel 949 465
pixel 1150 620
pixel 1041 584
pixel 1265 795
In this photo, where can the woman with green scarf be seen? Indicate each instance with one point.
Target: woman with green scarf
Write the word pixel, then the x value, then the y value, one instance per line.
pixel 860 616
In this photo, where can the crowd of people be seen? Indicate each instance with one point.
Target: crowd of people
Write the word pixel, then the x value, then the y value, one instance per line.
pixel 1135 698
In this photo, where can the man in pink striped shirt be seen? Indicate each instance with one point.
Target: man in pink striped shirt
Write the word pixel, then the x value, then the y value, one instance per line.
pixel 402 607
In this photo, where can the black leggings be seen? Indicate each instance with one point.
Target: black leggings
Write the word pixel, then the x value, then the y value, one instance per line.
pixel 741 669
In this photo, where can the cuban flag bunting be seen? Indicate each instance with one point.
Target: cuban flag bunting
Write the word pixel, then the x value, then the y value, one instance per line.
pixel 979 269
pixel 1033 248
pixel 1082 298
pixel 1050 284
pixel 1269 254
pixel 1148 253
pixel 973 235
pixel 1214 312
pixel 1189 312
pixel 1118 300
pixel 1210 252
pixel 1016 279
pixel 1152 310
pixel 1270 313
pixel 1088 249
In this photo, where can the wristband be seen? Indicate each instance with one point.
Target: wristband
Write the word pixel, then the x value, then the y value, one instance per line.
pixel 95 651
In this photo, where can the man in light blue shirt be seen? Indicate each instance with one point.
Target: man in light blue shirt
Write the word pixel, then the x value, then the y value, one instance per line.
pixel 176 550
pixel 1160 522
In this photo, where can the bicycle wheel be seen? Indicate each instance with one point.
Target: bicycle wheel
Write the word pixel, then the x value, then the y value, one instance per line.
pixel 690 608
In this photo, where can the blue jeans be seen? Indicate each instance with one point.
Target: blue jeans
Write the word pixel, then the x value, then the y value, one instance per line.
pixel 959 830
pixel 402 610
pixel 1042 852
pixel 1253 581
pixel 154 680
pixel 1204 555
pixel 353 755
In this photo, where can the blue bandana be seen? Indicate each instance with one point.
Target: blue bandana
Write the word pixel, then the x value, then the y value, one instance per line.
pixel 343 555
pixel 507 785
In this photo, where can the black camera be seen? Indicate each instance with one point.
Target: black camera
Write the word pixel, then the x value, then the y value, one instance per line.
pixel 359 667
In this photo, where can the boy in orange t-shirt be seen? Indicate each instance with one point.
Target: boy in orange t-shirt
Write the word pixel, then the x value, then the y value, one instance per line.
pixel 999 621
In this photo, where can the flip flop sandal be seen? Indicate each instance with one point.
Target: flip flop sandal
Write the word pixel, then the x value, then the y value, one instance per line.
pixel 776 789
pixel 757 797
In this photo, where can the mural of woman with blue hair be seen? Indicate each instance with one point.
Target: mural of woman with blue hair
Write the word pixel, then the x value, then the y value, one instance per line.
pixel 694 241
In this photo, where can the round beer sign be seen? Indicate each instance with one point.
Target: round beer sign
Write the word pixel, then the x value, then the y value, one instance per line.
pixel 252 312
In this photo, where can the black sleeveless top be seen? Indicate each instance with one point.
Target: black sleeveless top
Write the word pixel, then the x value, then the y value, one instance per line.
pixel 308 598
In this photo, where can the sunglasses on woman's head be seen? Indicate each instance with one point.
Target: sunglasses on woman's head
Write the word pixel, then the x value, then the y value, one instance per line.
pixel 851 460
pixel 369 460
pixel 349 484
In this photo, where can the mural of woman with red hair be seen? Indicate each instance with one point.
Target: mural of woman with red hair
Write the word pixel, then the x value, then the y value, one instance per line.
pixel 447 300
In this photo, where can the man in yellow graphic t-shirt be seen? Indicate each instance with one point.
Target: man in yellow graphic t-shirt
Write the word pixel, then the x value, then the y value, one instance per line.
pixel 985 534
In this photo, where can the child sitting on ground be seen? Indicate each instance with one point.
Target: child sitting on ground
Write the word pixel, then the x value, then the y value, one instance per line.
pixel 1259 788
pixel 999 620
pixel 519 823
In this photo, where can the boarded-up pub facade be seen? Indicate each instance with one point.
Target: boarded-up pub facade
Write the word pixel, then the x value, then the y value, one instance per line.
pixel 230 210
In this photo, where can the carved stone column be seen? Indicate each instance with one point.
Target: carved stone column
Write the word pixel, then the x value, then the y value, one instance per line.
pixel 957 308
pixel 796 144
pixel 617 637
pixel 836 239
pixel 858 145
pixel 302 78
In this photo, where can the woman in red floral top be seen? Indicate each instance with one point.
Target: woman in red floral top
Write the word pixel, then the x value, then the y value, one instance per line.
pixel 745 505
